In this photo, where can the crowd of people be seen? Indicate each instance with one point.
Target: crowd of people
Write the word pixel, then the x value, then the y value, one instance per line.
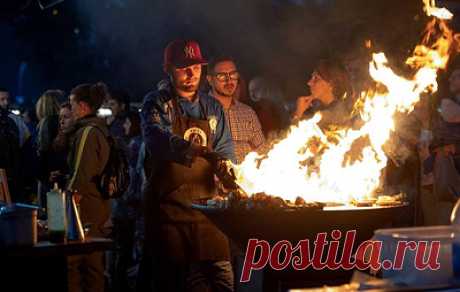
pixel 177 145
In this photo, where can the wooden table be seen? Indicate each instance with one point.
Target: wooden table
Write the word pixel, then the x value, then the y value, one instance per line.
pixel 43 267
pixel 46 248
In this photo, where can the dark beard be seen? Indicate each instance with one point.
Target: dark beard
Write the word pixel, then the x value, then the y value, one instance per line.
pixel 223 93
pixel 188 88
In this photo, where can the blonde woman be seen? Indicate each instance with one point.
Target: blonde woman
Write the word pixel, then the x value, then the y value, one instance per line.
pixel 47 110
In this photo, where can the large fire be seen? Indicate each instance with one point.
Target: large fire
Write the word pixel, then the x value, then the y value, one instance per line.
pixel 284 170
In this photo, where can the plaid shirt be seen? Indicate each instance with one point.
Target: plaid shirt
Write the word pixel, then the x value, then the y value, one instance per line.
pixel 245 127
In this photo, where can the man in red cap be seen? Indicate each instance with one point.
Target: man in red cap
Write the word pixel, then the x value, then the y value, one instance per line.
pixel 186 141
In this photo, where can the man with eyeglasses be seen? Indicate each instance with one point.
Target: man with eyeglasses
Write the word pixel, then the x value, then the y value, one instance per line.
pixel 247 136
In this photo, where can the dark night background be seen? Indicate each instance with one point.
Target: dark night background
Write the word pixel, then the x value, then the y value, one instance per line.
pixel 121 41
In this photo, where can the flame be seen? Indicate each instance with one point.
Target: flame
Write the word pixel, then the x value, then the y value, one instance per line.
pixel 368 44
pixel 431 10
pixel 311 164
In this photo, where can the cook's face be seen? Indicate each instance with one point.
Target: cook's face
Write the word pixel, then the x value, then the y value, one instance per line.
pixel 225 78
pixel 454 82
pixel 318 86
pixel 65 119
pixel 187 79
pixel 4 99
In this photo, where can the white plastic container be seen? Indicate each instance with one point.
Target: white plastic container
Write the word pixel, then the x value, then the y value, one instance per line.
pixel 409 274
pixel 56 209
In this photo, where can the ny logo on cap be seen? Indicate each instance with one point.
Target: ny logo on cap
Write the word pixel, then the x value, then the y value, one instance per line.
pixel 189 52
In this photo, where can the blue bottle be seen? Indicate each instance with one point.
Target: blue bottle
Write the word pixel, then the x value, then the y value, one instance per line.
pixel 74 226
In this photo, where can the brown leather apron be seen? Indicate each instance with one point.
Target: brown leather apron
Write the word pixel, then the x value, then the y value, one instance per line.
pixel 185 235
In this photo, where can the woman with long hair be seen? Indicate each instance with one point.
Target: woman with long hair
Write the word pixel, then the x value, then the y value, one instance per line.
pixel 47 110
pixel 60 147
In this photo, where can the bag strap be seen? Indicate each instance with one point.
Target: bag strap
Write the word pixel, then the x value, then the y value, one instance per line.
pixel 81 147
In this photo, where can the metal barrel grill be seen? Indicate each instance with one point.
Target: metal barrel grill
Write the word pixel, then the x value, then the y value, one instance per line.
pixel 274 225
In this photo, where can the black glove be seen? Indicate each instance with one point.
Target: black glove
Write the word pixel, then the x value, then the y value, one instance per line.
pixel 195 151
pixel 213 157
pixel 223 170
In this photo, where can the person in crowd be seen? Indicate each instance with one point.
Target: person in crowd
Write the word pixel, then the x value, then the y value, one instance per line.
pixel 24 133
pixel 29 117
pixel 88 156
pixel 144 266
pixel 406 149
pixel 14 135
pixel 445 149
pixel 247 135
pixel 329 85
pixel 47 110
pixel 60 147
pixel 331 95
pixel 329 88
pixel 127 211
pixel 118 102
pixel 356 62
pixel 29 154
pixel 403 170
pixel 266 99
pixel 187 141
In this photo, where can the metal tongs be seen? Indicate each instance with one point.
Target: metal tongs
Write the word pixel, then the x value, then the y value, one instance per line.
pixel 226 174
pixel 224 170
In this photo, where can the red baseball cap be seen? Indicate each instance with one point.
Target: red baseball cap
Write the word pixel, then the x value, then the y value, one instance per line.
pixel 182 53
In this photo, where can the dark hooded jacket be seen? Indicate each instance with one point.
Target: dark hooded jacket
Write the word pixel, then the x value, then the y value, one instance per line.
pixel 87 160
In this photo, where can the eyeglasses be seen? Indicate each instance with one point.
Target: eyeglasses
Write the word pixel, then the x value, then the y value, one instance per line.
pixel 224 76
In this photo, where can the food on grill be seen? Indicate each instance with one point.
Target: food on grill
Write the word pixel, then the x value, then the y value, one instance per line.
pixel 240 200
pixel 299 201
pixel 382 201
pixel 364 202
pixel 260 201
pixel 389 200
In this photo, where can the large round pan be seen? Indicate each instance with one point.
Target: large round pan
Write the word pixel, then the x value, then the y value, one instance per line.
pixel 274 225
pixel 287 224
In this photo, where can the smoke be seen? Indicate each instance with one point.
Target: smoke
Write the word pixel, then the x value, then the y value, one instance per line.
pixel 121 41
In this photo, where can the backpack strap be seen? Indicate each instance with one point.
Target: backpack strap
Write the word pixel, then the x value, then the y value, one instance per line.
pixel 81 146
